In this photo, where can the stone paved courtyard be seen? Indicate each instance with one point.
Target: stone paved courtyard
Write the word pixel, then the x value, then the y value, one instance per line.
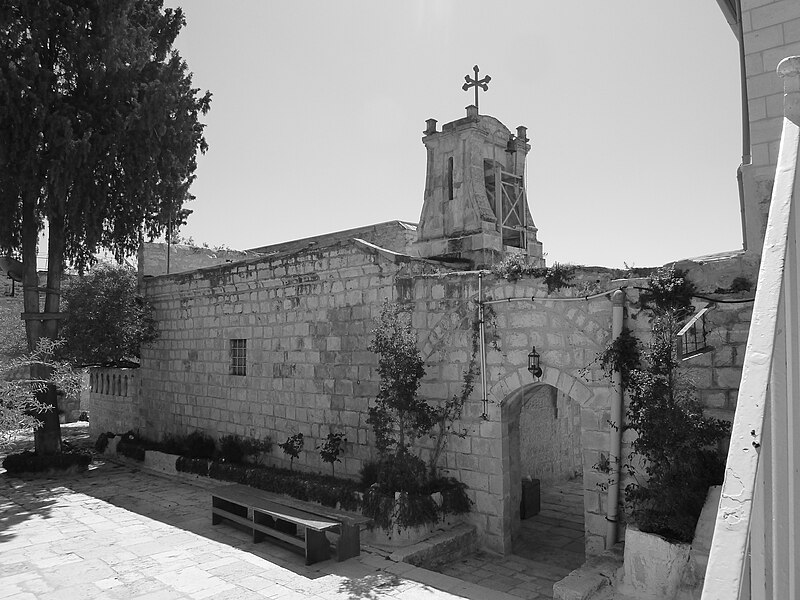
pixel 548 547
pixel 117 532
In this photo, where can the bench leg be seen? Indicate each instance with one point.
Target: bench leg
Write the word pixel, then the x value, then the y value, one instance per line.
pixel 318 547
pixel 349 542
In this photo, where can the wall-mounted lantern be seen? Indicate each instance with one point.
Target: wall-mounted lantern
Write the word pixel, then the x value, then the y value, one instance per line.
pixel 533 363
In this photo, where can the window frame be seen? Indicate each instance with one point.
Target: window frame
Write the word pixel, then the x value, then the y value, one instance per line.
pixel 238 357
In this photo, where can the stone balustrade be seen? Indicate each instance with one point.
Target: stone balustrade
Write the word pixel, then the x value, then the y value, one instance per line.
pixel 113 400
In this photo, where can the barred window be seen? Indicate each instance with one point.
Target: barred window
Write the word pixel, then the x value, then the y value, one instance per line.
pixel 238 357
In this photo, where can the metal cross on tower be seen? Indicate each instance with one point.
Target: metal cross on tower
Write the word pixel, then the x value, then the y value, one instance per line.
pixel 476 83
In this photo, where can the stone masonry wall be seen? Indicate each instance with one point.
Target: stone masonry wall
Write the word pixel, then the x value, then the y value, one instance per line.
pixel 182 257
pixel 550 436
pixel 306 318
pixel 771 33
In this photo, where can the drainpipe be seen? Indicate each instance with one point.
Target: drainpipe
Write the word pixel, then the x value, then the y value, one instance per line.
pixel 615 445
pixel 482 345
pixel 747 158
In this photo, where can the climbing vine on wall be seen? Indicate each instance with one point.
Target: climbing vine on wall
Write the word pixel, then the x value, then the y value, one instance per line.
pixel 450 412
pixel 622 355
pixel 516 266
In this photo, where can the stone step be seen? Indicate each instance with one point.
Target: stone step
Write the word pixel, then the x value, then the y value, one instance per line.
pixel 440 548
pixel 595 580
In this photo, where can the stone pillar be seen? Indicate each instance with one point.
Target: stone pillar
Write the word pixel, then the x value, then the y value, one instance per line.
pixel 789 70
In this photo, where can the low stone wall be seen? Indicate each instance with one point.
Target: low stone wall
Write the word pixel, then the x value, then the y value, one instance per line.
pixel 113 401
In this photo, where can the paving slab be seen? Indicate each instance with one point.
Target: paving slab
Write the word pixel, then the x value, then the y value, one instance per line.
pixel 547 548
pixel 116 532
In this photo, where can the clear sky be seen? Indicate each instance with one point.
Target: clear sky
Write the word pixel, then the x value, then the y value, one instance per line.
pixel 632 108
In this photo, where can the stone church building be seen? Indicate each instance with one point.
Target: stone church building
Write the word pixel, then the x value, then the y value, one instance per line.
pixel 274 341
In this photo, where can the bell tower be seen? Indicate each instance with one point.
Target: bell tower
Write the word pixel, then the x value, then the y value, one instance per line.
pixel 475 205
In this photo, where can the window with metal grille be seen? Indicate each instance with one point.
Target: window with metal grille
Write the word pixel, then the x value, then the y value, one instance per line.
pixel 238 357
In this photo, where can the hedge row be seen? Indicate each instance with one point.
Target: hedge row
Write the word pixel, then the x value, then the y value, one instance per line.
pixel 328 491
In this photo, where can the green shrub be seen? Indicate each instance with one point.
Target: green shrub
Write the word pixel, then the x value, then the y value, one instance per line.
pixel 231 449
pixel 292 447
pixel 676 453
pixel 331 448
pixel 403 472
pixel 454 495
pixel 199 445
pixel 407 510
pixel 198 466
pixel 171 444
pixel 131 446
pixel 369 473
pixel 102 441
pixel 30 462
pixel 235 449
pixel 408 474
pixel 326 490
pixel 228 472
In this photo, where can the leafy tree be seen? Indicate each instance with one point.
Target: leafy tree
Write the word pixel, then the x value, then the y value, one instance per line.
pixel 331 448
pixel 19 406
pixel 292 447
pixel 399 416
pixel 12 329
pixel 108 321
pixel 100 130
pixel 676 444
pixel 679 444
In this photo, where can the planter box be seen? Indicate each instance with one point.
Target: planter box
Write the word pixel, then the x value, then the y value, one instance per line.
pixel 400 537
pixel 159 461
pixel 654 567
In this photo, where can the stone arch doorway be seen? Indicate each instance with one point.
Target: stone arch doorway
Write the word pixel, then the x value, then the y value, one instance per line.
pixel 544 444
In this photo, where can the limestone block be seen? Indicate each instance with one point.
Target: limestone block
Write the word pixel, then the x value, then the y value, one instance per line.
pixel 474 480
pixel 758 110
pixel 527 320
pixel 467 462
pixel 700 377
pixel 728 378
pixel 774 13
pixel 715 399
pixel 723 356
pixel 766 84
pixel 653 566
pixel 594 440
pixel 484 447
pixel 490 429
pixel 791 31
pixel 487 503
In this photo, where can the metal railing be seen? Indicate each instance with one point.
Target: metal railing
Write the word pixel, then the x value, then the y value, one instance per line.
pixel 755 551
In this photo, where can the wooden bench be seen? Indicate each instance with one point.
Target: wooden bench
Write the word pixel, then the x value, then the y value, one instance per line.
pixel 279 517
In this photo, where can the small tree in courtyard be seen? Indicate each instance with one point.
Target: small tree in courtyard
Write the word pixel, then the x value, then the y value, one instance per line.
pixel 292 447
pixel 399 416
pixel 332 448
pixel 108 321
pixel 676 453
